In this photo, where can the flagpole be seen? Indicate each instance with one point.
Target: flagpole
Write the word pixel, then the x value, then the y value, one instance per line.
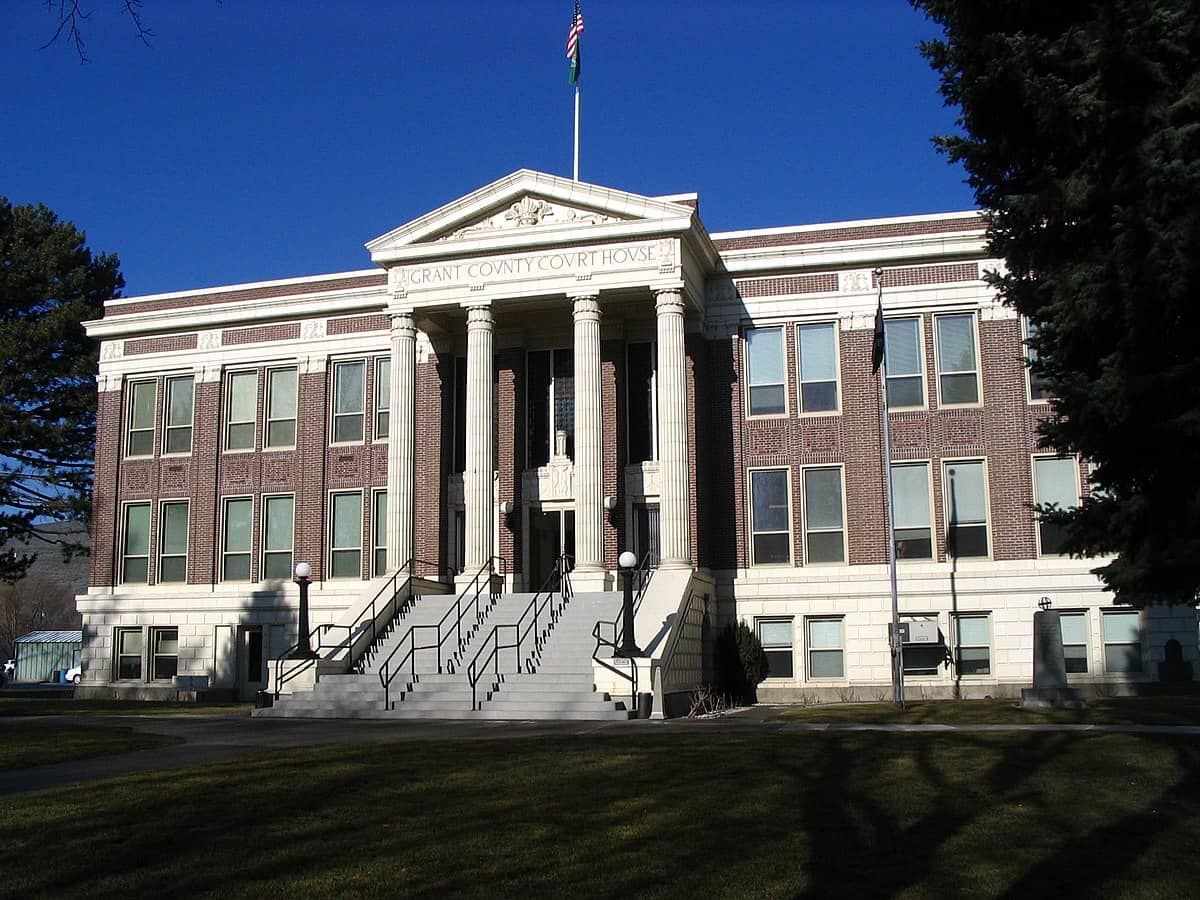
pixel 894 642
pixel 576 170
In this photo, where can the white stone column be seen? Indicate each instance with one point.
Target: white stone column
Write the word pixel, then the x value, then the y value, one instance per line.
pixel 479 474
pixel 674 506
pixel 589 440
pixel 401 440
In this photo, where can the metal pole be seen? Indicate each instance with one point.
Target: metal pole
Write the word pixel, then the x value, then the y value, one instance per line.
pixel 303 647
pixel 629 647
pixel 576 169
pixel 896 648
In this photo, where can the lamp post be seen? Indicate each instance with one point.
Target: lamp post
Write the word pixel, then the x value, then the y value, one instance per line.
pixel 303 648
pixel 629 647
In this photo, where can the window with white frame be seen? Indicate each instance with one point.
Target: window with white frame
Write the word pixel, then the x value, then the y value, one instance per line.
pixel 139 433
pixel 237 524
pixel 903 358
pixel 816 347
pixel 164 646
pixel 972 645
pixel 1055 482
pixel 241 410
pixel 349 391
pixel 173 541
pixel 910 511
pixel 180 399
pixel 775 635
pixel 641 398
pixel 1037 385
pixel 924 652
pixel 958 366
pixel 770 518
pixel 345 535
pixel 966 509
pixel 824 528
pixel 1075 643
pixel 129 645
pixel 1122 640
pixel 550 391
pixel 825 644
pixel 379 533
pixel 278 532
pixel 135 544
pixel 765 372
pixel 280 430
pixel 383 397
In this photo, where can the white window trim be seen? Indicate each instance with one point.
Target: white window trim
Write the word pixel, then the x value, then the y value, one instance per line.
pixel 921 355
pixel 334 366
pixel 808 649
pixel 1037 522
pixel 990 675
pixel 268 421
pixel 1088 649
pixel 987 506
pixel 229 421
pixel 804 514
pixel 162 533
pixel 654 457
pixel 221 539
pixel 333 547
pixel 837 371
pixel 933 535
pixel 150 656
pixel 117 631
pixel 1029 398
pixel 937 362
pixel 129 429
pixel 125 507
pixel 262 531
pixel 783 348
pixel 376 493
pixel 750 532
pixel 791 621
pixel 381 410
pixel 942 671
pixel 1141 644
pixel 166 412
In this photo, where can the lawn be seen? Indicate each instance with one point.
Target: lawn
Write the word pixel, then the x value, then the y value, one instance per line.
pixel 25 746
pixel 65 706
pixel 661 815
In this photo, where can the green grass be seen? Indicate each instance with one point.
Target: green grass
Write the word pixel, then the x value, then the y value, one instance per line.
pixel 1158 710
pixel 24 746
pixel 51 706
pixel 635 815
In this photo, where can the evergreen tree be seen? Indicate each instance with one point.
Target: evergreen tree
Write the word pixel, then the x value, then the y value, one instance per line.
pixel 1081 137
pixel 49 284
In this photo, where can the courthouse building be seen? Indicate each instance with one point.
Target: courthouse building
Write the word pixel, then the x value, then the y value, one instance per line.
pixel 546 366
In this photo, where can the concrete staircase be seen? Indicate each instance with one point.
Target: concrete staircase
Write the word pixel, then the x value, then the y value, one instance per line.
pixel 555 683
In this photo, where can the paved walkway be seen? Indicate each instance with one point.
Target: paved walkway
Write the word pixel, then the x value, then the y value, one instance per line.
pixel 207 739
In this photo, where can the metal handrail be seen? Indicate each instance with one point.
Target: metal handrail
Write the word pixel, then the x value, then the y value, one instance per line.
pixel 370 614
pixel 495 567
pixel 642 575
pixel 528 621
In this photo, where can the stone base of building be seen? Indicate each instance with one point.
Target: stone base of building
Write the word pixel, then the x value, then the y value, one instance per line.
pixel 1051 698
pixel 151 692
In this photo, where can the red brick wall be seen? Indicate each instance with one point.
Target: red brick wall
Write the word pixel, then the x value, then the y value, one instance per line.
pixel 434 396
pixel 615 448
pixel 510 449
pixel 105 493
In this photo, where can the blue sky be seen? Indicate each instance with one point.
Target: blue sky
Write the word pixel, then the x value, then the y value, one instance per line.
pixel 259 139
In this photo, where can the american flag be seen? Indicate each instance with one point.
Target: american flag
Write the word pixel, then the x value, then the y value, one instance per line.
pixel 575 32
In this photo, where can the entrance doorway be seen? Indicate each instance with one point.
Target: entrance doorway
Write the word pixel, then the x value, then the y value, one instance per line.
pixel 251 662
pixel 551 535
pixel 645 532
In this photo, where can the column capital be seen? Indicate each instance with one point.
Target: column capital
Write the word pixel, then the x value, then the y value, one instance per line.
pixel 403 325
pixel 480 317
pixel 585 306
pixel 669 301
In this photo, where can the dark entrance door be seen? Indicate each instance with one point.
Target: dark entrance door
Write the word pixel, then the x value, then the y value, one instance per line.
pixel 551 534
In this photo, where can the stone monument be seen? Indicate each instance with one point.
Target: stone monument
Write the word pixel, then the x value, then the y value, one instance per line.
pixel 1049 665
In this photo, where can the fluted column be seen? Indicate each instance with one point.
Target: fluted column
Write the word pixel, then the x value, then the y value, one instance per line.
pixel 674 507
pixel 477 479
pixel 589 439
pixel 401 440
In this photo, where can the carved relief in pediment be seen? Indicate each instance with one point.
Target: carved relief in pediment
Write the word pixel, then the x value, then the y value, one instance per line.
pixel 528 212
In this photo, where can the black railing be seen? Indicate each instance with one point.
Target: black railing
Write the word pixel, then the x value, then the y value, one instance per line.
pixel 641 581
pixel 492 575
pixel 365 628
pixel 528 631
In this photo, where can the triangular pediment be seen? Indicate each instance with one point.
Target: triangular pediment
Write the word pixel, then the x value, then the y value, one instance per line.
pixel 529 208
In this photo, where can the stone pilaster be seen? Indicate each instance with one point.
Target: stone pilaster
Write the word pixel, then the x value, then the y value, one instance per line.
pixel 672 437
pixel 401 440
pixel 589 440
pixel 479 474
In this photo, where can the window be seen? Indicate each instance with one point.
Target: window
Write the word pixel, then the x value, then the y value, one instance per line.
pixel 135 546
pixel 770 517
pixel 825 648
pixel 379 564
pixel 1055 482
pixel 902 356
pixel 235 542
pixel 966 509
pixel 1074 638
pixel 173 541
pixel 345 543
pixel 383 397
pixel 824 534
pixel 958 375
pixel 972 653
pixel 1037 385
pixel 241 406
pixel 1122 641
pixel 129 654
pixel 179 415
pixel 281 408
pixel 278 529
pixel 641 395
pixel 349 384
pixel 551 395
pixel 817 349
pixel 646 538
pixel 910 511
pixel 165 644
pixel 139 439
pixel 924 651
pixel 775 635
pixel 764 371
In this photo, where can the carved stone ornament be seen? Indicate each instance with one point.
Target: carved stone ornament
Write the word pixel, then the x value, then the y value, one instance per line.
pixel 312 329
pixel 554 481
pixel 209 340
pixel 112 350
pixel 530 211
